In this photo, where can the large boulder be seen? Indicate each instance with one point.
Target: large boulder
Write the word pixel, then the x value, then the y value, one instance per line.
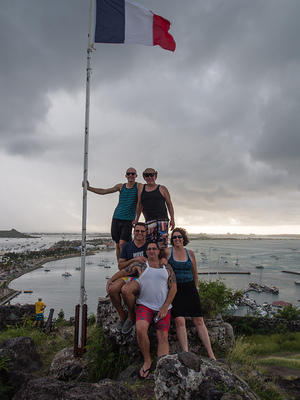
pixel 48 388
pixel 186 376
pixel 66 367
pixel 15 314
pixel 22 361
pixel 220 332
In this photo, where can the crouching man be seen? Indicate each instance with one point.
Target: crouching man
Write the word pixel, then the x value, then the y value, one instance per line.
pixel 156 289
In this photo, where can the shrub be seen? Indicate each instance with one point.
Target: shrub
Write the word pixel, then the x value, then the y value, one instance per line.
pixel 5 389
pixel 107 361
pixel 216 297
pixel 289 313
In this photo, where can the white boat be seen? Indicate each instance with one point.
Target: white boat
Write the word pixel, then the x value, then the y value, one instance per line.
pixel 297 282
pixel 66 274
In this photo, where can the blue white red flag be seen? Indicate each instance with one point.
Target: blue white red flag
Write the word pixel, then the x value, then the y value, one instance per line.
pixel 121 21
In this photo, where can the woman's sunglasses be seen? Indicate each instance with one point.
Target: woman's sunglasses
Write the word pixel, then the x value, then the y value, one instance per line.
pixel 177 237
pixel 148 174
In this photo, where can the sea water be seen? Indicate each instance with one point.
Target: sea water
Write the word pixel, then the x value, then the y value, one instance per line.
pixel 60 292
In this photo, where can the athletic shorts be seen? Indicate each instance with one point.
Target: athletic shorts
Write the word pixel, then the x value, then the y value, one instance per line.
pixel 121 230
pixel 39 317
pixel 157 231
pixel 147 314
pixel 129 278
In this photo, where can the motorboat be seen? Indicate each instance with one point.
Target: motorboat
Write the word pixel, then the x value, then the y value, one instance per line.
pixel 66 274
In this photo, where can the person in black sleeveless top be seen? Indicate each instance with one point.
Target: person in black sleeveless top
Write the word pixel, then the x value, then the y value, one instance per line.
pixel 186 302
pixel 154 202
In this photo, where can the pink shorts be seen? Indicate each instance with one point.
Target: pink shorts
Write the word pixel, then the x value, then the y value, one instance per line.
pixel 147 314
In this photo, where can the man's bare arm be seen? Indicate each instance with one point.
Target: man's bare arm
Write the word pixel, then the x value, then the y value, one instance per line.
pixel 123 263
pixel 135 267
pixel 172 286
pixel 113 189
pixel 139 207
pixel 164 191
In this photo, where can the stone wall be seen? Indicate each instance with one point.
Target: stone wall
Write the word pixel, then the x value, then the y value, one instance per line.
pixel 12 315
pixel 265 325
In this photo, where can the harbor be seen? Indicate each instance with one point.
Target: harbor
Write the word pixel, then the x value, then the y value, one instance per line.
pixel 63 292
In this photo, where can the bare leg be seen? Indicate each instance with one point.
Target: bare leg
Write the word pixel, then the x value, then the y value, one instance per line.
pixel 163 343
pixel 115 296
pixel 181 333
pixel 129 291
pixel 203 335
pixel 144 345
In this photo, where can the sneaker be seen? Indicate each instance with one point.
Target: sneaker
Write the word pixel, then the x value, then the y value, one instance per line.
pixel 119 325
pixel 127 327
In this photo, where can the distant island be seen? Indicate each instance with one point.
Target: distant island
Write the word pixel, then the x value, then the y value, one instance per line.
pixel 13 233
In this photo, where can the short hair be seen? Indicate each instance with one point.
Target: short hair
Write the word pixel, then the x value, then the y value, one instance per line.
pixel 152 242
pixel 184 234
pixel 150 171
pixel 140 224
pixel 39 299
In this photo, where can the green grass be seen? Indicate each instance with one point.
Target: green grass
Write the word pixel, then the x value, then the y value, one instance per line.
pixel 243 361
pixel 276 343
pixel 281 362
pixel 106 360
pixel 47 345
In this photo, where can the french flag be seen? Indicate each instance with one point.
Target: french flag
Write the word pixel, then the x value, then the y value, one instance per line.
pixel 121 21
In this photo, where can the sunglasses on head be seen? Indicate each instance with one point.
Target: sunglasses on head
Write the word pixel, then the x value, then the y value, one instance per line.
pixel 149 174
pixel 130 173
pixel 177 237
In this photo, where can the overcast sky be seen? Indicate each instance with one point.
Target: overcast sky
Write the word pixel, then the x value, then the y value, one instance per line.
pixel 219 119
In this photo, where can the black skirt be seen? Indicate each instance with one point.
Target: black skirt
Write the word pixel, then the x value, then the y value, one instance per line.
pixel 187 301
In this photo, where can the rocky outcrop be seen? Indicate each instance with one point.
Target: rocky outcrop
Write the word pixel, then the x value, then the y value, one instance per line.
pixel 51 389
pixel 220 332
pixel 11 315
pixel 22 361
pixel 66 367
pixel 185 376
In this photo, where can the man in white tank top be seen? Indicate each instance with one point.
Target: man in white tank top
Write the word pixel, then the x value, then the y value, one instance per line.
pixel 156 289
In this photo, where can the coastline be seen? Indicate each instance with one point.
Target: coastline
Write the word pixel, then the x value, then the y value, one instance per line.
pixel 11 293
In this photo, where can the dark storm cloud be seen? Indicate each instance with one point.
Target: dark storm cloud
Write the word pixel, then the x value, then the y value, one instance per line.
pixel 219 118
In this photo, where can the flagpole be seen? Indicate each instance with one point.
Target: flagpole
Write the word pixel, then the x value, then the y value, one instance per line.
pixel 85 176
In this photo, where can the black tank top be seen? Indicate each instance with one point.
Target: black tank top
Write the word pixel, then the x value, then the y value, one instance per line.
pixel 154 205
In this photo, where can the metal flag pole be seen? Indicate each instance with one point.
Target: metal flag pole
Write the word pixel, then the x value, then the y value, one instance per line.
pixel 81 310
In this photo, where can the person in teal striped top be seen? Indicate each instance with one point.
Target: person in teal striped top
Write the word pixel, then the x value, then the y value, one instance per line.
pixel 125 212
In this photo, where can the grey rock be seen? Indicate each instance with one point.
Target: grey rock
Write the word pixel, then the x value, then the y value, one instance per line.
pixel 52 389
pixel 66 367
pixel 15 314
pixel 23 361
pixel 220 332
pixel 174 380
pixel 190 360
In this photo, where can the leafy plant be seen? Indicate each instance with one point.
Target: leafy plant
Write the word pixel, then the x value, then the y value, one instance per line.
pixel 106 360
pixel 216 297
pixel 5 389
pixel 289 313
